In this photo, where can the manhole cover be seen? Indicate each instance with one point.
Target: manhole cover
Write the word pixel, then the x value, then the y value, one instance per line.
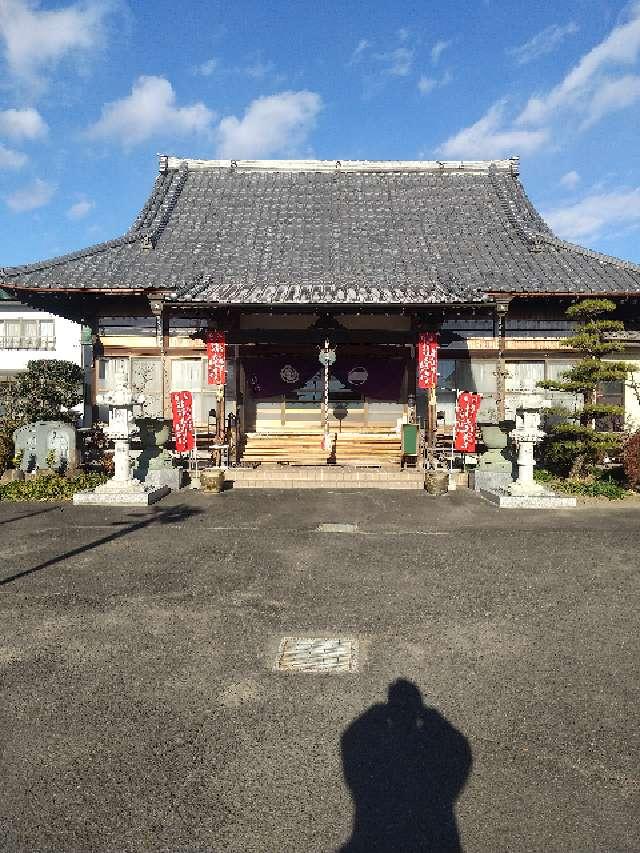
pixel 337 528
pixel 317 655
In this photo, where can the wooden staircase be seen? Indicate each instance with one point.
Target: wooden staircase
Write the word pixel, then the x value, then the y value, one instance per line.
pixel 298 447
pixel 374 448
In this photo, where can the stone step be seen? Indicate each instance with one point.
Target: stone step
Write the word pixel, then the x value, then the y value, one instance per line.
pixel 323 475
pixel 328 484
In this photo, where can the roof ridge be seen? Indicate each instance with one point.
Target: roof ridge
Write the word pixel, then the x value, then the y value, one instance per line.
pixel 552 240
pixel 170 192
pixel 511 165
pixel 166 203
pixel 6 272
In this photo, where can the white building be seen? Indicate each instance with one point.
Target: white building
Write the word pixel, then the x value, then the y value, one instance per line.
pixel 29 335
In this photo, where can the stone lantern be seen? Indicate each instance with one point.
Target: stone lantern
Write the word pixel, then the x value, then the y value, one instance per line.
pixel 122 489
pixel 526 435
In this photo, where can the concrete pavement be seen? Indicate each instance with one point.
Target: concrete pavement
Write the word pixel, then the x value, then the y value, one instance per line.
pixel 139 709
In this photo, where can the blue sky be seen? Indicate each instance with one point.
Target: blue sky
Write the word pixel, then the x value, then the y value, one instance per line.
pixel 91 91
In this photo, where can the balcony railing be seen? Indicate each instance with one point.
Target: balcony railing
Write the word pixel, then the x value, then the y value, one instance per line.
pixel 28 343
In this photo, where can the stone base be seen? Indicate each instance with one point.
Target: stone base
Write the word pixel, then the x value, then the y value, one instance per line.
pixel 548 500
pixel 12 475
pixel 174 478
pixel 491 480
pixel 527 490
pixel 143 497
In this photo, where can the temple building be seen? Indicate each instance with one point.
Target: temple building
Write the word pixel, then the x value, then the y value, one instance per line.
pixel 287 256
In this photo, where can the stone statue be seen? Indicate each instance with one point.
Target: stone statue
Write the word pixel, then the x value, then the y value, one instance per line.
pixel 46 444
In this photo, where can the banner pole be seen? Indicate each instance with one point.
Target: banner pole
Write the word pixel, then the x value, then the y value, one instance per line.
pixel 453 434
pixel 195 448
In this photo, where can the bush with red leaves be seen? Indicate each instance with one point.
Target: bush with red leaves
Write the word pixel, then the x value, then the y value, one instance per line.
pixel 632 459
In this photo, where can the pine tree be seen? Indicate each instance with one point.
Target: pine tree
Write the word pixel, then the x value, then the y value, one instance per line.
pixel 576 445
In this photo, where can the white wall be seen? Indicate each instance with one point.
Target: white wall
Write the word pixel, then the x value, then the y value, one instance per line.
pixel 67 340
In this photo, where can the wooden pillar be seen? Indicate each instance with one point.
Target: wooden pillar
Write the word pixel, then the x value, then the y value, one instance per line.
pixel 502 307
pixel 162 318
pixel 165 365
pixel 91 353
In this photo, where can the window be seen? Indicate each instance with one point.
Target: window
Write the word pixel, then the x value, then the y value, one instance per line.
pixel 189 374
pixel 27 333
pixel 141 375
pixel 477 376
pixel 524 375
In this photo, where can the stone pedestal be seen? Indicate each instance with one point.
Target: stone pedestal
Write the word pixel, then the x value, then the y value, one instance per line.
pixel 12 475
pixel 113 493
pixel 174 478
pixel 543 500
pixel 488 479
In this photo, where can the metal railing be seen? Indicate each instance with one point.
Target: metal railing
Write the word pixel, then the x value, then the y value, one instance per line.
pixel 28 343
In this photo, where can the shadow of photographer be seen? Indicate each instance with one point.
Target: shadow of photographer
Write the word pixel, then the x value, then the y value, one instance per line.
pixel 405 766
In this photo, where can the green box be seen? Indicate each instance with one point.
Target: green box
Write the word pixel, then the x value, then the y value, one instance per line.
pixel 409 439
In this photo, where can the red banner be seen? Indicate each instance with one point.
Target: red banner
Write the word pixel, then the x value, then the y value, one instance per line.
pixel 182 407
pixel 466 417
pixel 216 358
pixel 428 360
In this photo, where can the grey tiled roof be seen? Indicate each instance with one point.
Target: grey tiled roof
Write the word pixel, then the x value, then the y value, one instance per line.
pixel 290 232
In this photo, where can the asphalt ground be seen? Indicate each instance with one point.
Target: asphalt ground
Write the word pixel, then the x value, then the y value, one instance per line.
pixel 496 706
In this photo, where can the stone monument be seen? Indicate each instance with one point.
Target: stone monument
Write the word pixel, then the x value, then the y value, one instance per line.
pixel 46 445
pixel 122 489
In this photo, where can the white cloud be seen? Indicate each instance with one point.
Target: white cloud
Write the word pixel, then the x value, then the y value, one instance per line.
pixel 581 84
pixel 610 96
pixel 36 39
pixel 34 195
pixel 398 62
pixel 258 69
pixel 570 180
pixel 587 91
pixel 22 124
pixel 206 69
pixel 595 214
pixel 10 159
pixel 543 43
pixel 359 51
pixel 489 138
pixel 80 209
pixel 149 110
pixel 426 85
pixel 438 49
pixel 271 125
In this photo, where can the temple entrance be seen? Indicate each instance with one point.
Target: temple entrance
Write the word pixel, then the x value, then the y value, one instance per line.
pixel 284 406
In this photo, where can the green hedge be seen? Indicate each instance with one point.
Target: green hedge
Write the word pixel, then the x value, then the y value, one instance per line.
pixel 599 486
pixel 50 487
